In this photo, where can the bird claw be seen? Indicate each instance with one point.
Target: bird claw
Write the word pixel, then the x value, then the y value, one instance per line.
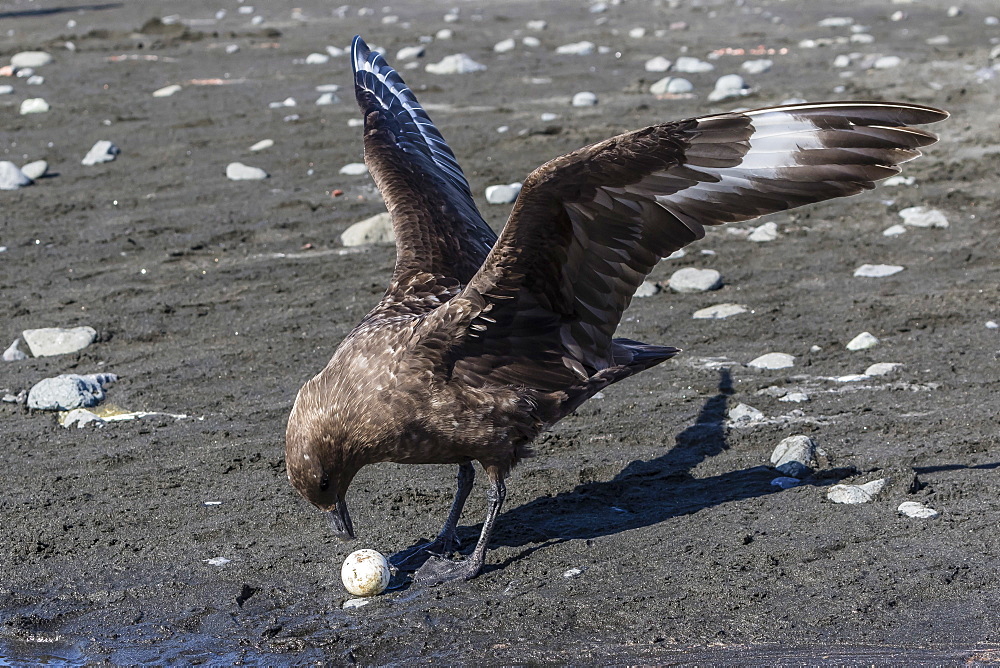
pixel 413 558
pixel 437 570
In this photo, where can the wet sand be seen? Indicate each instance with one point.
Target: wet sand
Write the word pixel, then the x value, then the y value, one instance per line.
pixel 217 299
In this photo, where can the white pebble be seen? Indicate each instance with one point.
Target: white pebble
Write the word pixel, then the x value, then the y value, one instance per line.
pixel 842 61
pixel 457 63
pixel 35 80
pixel 374 230
pixel 444 33
pixel 894 231
pixel 657 64
pixel 692 279
pixel 166 91
pixel 327 99
pixel 772 361
pixel 647 289
pixel 671 86
pixel 538 24
pixel 887 62
pixel 637 33
pixel 916 510
pixel 24 59
pixel 990 324
pixel 877 270
pixel 954 11
pixel 835 22
pixel 795 397
pixel 352 603
pixel 287 102
pixel 6 89
pixel 237 171
pixel 217 561
pixel 353 169
pixel 49 341
pixel 531 42
pixel 719 311
pixel 584 99
pixel 505 45
pixel 502 194
pixel 744 413
pixel 317 59
pixel 232 48
pixel 862 38
pixel 728 86
pixel 573 572
pixel 899 180
pixel 882 368
pixel 690 65
pixel 764 233
pixel 938 40
pixel 576 49
pixel 34 105
pixel 11 176
pixel 862 341
pixel 246 9
pixel 13 353
pixel 757 66
pixel 411 52
pixel 262 144
pixel 856 493
pixel 922 216
pixel 102 151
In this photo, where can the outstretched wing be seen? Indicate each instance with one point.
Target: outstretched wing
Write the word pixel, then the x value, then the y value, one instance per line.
pixel 589 226
pixel 441 239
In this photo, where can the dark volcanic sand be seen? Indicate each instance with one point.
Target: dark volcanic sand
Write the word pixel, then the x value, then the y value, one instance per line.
pixel 207 304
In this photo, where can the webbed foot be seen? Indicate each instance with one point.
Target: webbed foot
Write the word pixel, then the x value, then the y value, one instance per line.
pixel 413 558
pixel 437 570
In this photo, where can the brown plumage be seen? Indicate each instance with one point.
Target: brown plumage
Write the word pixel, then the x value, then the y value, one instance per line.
pixel 480 343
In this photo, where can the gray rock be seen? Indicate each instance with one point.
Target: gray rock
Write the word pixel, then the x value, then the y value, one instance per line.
pixel 354 169
pixel 50 341
pixel 794 397
pixel 35 170
pixel 69 391
pixel 744 413
pixel 719 311
pixel 692 279
pixel 729 86
pixel 34 105
pixel 11 176
pixel 671 86
pixel 647 289
pixel 764 233
pixel 794 456
pixel 13 353
pixel 916 510
pixel 374 230
pixel 773 361
pixel 584 99
pixel 690 65
pixel 882 368
pixel 922 216
pixel 81 417
pixel 30 59
pixel 458 63
pixel 102 151
pixel 877 270
pixel 856 493
pixel 502 194
pixel 237 171
pixel 862 341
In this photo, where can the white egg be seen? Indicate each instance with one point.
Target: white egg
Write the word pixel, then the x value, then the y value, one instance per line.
pixel 365 573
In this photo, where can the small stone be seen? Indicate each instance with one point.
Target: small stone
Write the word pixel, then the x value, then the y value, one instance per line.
pixel 719 311
pixel 938 40
pixel 657 64
pixel 842 61
pixel 744 413
pixel 13 353
pixel 883 368
pixel 237 171
pixel 11 176
pixel 354 169
pixel 502 194
pixel 444 33
pixel 856 493
pixel 757 66
pixel 954 11
pixel 647 289
pixel 584 99
pixel 69 391
pixel 576 49
pixel 262 144
pixel 35 170
pixel 862 341
pixel 835 22
pixel 887 62
pixel 24 59
pixel 352 603
pixel 692 279
pixel 917 510
pixel 728 86
pixel 217 561
pixel 34 105
pixel 894 231
pixel 922 216
pixel 287 102
pixel 6 89
pixel 573 572
pixel 877 270
pixel 795 397
pixel 531 42
pixel 689 65
pixel 50 341
pixel 992 324
pixel 102 151
pixel 773 361
pixel 458 63
pixel 374 230
pixel 505 45
pixel 411 52
pixel 232 48
pixel 537 24
pixel 671 86
pixel 81 417
pixel 166 91
pixel 794 456
pixel 327 99
pixel 317 59
pixel 764 233
pixel 548 117
pixel 785 482
pixel 35 80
